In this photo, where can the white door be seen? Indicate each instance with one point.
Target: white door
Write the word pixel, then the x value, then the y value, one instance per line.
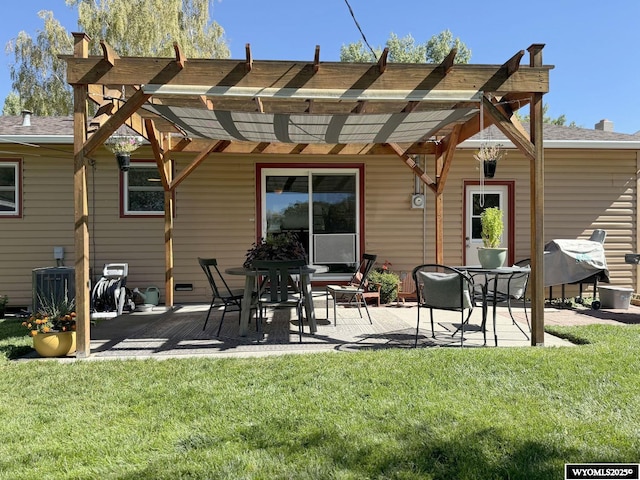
pixel 477 200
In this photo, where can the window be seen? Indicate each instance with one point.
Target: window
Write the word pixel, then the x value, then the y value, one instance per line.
pixel 10 194
pixel 322 207
pixel 143 194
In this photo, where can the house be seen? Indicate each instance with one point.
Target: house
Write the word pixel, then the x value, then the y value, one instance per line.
pixel 272 142
pixel 590 183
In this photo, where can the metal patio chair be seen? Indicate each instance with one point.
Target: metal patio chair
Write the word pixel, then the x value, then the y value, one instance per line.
pixel 440 287
pixel 354 292
pixel 275 288
pixel 231 299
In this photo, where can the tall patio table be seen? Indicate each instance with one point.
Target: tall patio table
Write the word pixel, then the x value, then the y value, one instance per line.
pixel 250 282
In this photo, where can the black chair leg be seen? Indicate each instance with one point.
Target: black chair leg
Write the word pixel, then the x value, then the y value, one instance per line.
pixel 208 313
pixel 221 320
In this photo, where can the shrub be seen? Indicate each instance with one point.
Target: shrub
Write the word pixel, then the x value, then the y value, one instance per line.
pixel 389 282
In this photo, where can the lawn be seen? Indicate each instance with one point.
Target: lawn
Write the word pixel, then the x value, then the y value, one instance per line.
pixel 443 413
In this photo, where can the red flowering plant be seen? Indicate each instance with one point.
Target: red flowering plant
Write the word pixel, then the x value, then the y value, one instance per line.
pixel 53 316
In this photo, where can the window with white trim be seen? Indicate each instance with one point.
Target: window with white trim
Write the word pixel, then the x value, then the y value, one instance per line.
pixel 142 190
pixel 10 189
pixel 321 206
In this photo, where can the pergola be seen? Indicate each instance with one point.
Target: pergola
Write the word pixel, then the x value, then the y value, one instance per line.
pixel 209 106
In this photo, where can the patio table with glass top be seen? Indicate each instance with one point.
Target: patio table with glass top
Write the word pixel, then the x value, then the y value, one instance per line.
pixel 249 284
pixel 492 275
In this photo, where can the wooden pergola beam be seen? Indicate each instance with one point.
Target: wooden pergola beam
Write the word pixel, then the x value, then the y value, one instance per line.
pixel 382 61
pixel 513 64
pixel 449 60
pixel 112 124
pixel 449 152
pixel 411 163
pixel 248 65
pixel 108 54
pixel 520 139
pixel 158 154
pixel 180 58
pixel 316 59
pixel 286 74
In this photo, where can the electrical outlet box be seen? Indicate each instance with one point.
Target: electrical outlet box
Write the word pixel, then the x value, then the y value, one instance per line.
pixel 58 253
pixel 417 200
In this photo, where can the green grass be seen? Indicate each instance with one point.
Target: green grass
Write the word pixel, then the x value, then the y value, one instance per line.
pixel 487 413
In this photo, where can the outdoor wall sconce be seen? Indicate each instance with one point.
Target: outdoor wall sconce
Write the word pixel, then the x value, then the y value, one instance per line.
pixel 122 146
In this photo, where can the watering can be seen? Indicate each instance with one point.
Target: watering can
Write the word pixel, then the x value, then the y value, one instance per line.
pixel 151 295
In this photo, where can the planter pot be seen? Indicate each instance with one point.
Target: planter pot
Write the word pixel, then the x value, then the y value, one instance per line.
pixel 489 168
pixel 124 160
pixel 492 257
pixel 55 344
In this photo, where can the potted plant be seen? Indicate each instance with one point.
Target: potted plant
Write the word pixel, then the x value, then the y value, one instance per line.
pixel 53 328
pixel 122 146
pixel 488 156
pixel 491 255
pixel 283 246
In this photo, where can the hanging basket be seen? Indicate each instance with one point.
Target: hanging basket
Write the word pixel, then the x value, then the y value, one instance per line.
pixel 124 160
pixel 489 167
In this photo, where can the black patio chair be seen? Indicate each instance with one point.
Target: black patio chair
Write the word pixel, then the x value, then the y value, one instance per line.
pixel 276 288
pixel 440 287
pixel 354 292
pixel 231 299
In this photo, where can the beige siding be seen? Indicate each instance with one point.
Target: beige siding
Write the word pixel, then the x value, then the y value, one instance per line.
pixel 47 221
pixel 585 190
pixel 216 214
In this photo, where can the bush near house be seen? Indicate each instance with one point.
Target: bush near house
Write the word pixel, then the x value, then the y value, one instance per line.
pixel 389 282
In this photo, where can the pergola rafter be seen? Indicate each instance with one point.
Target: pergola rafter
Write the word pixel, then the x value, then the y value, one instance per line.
pixel 247 106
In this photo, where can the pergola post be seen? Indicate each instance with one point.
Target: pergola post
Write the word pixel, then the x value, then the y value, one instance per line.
pixel 537 208
pixel 81 209
pixel 168 226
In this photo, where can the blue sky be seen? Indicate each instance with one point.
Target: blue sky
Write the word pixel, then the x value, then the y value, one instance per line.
pixel 593 45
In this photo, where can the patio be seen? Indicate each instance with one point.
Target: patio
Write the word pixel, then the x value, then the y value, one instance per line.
pixel 178 332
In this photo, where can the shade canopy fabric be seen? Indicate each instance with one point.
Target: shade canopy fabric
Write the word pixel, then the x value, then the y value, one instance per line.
pixel 304 128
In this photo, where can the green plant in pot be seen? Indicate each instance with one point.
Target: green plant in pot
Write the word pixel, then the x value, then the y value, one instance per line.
pixel 491 255
pixel 283 246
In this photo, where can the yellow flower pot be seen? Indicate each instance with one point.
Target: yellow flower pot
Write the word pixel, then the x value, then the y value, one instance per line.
pixel 55 344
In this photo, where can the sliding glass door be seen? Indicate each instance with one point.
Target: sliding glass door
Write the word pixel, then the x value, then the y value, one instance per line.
pixel 321 206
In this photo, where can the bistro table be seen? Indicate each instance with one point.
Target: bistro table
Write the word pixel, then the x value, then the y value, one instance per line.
pixel 492 275
pixel 249 284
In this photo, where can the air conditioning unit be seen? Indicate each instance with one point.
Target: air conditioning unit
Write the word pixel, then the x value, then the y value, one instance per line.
pixel 417 200
pixel 53 285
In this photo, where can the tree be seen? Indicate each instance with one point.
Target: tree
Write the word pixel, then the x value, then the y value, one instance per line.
pixel 38 74
pixel 405 50
pixel 561 120
pixel 39 77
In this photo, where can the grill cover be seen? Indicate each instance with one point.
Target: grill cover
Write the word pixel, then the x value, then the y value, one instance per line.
pixel 570 261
